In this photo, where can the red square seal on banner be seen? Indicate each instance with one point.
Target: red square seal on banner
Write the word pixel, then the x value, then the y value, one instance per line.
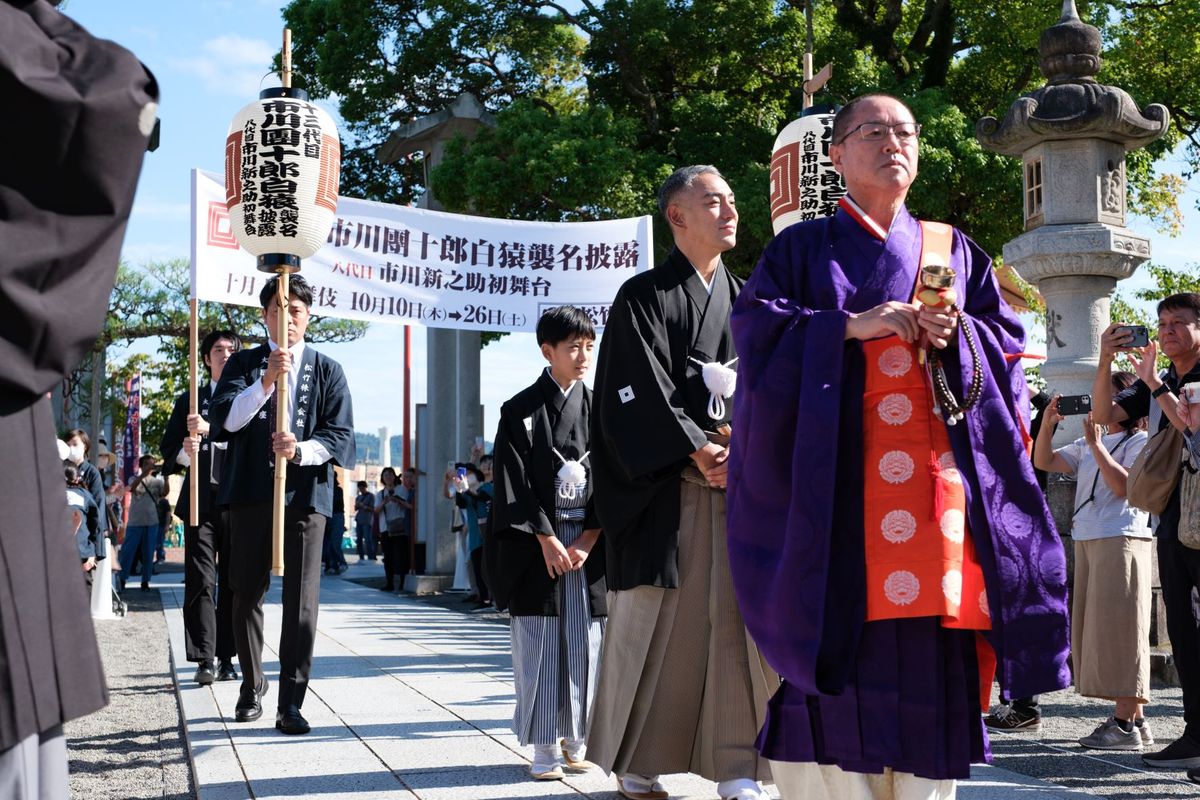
pixel 220 230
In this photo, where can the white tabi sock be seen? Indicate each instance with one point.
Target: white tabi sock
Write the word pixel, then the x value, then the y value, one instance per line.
pixel 545 757
pixel 742 789
pixel 575 749
pixel 641 783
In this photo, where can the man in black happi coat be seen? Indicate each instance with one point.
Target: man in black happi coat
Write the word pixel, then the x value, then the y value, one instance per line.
pixel 320 435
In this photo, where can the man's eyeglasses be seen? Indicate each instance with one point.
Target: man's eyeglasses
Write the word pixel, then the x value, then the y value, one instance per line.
pixel 876 131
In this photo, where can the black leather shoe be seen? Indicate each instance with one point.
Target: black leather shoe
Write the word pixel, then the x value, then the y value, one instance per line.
pixel 290 722
pixel 204 672
pixel 249 704
pixel 225 670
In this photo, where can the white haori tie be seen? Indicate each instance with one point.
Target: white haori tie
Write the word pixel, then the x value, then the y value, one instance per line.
pixel 571 475
pixel 720 381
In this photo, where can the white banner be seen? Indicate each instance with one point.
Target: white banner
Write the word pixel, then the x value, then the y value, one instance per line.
pixel 386 263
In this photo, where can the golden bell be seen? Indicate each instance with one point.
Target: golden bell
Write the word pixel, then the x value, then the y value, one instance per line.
pixel 936 276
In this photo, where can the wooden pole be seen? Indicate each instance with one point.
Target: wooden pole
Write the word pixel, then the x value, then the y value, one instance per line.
pixel 282 299
pixel 193 408
pixel 806 103
pixel 286 58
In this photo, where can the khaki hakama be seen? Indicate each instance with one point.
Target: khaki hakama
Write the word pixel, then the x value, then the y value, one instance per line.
pixel 682 688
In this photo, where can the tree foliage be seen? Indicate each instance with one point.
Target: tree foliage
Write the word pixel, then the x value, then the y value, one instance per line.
pixel 596 102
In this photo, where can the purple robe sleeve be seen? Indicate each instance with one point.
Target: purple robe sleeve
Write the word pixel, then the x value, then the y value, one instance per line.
pixel 781 513
pixel 1018 546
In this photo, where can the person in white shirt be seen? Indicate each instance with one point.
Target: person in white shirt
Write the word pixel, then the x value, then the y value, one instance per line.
pixel 1110 616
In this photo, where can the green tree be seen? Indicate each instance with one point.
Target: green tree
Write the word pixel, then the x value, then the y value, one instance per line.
pixel 596 102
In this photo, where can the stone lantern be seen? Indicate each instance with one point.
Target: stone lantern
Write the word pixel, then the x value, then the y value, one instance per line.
pixel 1072 135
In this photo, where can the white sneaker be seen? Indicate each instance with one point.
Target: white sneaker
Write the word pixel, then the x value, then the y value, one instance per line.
pixel 1143 731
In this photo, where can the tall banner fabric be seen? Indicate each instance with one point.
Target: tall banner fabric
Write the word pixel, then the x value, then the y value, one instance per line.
pixel 387 263
pixel 129 446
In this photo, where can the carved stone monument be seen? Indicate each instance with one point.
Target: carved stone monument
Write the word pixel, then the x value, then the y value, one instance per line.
pixel 1072 135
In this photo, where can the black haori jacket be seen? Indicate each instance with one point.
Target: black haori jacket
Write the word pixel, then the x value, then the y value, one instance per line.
pixel 524 466
pixel 651 411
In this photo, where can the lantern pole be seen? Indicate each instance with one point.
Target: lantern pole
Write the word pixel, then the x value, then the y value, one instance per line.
pixel 193 408
pixel 812 83
pixel 282 301
pixel 808 55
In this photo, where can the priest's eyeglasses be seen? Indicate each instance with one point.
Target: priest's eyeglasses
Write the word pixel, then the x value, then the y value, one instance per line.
pixel 876 131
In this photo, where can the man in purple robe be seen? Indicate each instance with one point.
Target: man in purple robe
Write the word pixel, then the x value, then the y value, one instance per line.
pixel 880 708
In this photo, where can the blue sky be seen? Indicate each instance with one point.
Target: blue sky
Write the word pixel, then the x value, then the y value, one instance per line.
pixel 210 58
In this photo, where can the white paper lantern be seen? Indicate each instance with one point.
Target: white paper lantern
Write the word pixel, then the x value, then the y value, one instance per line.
pixel 804 184
pixel 282 169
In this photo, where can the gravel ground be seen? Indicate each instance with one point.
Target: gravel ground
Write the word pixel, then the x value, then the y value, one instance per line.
pixel 1054 754
pixel 134 747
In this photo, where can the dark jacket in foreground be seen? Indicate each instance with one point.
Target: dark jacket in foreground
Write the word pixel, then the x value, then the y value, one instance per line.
pixel 72 149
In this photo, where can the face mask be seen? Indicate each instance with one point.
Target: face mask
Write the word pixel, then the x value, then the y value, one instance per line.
pixel 75 453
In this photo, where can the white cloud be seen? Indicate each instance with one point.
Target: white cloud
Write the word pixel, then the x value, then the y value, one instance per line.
pixel 230 64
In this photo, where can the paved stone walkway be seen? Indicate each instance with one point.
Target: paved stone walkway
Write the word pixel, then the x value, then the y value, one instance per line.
pixel 409 700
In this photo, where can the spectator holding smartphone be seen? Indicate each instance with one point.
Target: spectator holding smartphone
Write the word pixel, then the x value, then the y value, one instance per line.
pixel 1110 615
pixel 141 535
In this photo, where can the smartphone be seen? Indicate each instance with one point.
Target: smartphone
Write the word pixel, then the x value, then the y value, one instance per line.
pixel 462 473
pixel 1074 404
pixel 449 466
pixel 1140 334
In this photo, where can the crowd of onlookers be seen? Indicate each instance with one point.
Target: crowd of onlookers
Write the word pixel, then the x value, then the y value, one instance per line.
pixel 1136 488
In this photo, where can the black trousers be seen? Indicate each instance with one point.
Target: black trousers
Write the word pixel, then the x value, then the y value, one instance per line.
pixel 250 575
pixel 207 598
pixel 1179 571
pixel 477 568
pixel 395 559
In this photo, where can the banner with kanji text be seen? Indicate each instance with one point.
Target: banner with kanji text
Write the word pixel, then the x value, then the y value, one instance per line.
pixel 388 263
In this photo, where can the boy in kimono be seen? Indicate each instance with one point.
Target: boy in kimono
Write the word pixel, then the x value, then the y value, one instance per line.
pixel 543 563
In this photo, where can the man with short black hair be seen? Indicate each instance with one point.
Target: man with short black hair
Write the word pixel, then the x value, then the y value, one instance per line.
pixel 207 599
pixel 1156 394
pixel 319 434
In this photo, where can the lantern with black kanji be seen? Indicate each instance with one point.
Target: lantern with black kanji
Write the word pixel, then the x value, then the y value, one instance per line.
pixel 804 184
pixel 282 165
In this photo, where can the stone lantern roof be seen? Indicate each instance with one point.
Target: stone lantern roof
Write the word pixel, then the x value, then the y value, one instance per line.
pixel 1072 105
